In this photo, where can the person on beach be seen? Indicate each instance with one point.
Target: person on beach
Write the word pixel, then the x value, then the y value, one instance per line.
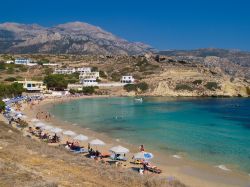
pixel 88 146
pixel 141 148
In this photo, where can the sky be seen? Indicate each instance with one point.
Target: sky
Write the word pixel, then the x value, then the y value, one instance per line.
pixel 165 25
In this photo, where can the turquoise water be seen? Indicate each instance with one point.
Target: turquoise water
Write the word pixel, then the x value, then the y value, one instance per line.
pixel 213 130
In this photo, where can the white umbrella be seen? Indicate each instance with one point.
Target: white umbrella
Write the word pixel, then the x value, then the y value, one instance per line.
pixel 47 127
pixel 143 155
pixel 39 124
pixel 119 150
pixel 69 133
pixel 19 115
pixel 81 138
pixel 34 120
pixel 97 142
pixel 56 130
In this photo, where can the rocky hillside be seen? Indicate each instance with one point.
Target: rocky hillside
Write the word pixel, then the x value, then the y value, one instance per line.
pixel 232 62
pixel 69 38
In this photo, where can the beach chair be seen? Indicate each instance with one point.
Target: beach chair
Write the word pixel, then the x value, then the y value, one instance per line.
pixel 154 169
pixel 80 150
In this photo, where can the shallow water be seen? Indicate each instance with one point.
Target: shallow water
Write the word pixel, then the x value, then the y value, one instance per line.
pixel 216 131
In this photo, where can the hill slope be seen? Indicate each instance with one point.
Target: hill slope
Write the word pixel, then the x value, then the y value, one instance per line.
pixel 72 38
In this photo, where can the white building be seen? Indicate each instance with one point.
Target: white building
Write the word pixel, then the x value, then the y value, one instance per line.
pixel 89 82
pixel 83 70
pixel 127 79
pixel 24 61
pixel 72 70
pixel 89 75
pixel 33 85
pixel 50 64
pixel 65 71
pixel 89 78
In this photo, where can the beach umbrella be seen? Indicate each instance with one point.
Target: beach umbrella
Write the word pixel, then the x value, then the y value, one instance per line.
pixel 39 124
pixel 81 137
pixel 48 127
pixel 56 130
pixel 24 117
pixel 119 150
pixel 69 133
pixel 97 142
pixel 143 156
pixel 34 120
pixel 19 115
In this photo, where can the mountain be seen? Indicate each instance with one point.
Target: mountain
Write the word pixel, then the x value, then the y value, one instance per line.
pixel 68 38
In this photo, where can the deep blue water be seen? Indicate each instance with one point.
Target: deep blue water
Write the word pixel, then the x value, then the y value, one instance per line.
pixel 213 130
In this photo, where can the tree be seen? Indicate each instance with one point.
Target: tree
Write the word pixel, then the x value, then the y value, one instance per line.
pixel 2 106
pixel 102 74
pixel 56 82
pixel 89 90
pixel 142 86
pixel 15 89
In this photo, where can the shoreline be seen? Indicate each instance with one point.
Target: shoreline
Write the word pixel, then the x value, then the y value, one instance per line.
pixel 189 172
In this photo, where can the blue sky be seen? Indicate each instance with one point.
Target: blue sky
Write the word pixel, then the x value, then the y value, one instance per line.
pixel 175 24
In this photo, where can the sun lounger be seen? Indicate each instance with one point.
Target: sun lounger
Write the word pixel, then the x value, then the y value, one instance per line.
pixel 121 158
pixel 137 162
pixel 81 150
pixel 154 169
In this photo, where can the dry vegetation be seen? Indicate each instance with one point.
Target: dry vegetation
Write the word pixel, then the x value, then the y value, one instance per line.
pixel 25 162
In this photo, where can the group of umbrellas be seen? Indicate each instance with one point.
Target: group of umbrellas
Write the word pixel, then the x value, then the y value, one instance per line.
pixel 96 142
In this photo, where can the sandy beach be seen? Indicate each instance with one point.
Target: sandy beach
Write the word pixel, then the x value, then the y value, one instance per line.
pixel 189 172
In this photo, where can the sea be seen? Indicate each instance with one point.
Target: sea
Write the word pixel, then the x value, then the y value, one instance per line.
pixel 211 130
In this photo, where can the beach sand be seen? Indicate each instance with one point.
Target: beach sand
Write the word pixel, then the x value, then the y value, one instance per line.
pixel 191 173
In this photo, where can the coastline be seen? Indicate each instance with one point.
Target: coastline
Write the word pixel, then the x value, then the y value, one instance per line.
pixel 189 172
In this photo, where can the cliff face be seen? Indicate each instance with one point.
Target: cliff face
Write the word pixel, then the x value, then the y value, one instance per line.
pixel 195 82
pixel 71 38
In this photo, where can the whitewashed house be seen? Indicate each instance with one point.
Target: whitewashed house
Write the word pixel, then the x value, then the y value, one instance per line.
pixel 89 78
pixel 89 82
pixel 127 79
pixel 87 75
pixel 24 61
pixel 37 86
pixel 83 70
pixel 64 71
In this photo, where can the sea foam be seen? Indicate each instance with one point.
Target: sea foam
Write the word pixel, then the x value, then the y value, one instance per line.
pixel 223 167
pixel 177 156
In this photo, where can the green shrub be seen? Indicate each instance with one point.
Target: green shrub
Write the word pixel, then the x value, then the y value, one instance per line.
pixel 10 79
pixel 2 106
pixel 212 86
pixel 183 87
pixel 89 90
pixel 102 74
pixel 23 68
pixel 135 87
pixel 48 71
pixel 56 82
pixel 2 66
pixel 197 82
pixel 130 87
pixel 10 70
pixel 14 89
pixel 143 86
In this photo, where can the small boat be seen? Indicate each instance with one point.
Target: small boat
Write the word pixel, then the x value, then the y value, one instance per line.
pixel 139 100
